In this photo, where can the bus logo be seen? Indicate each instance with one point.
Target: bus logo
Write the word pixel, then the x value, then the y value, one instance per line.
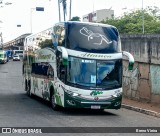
pixel 94 93
pixel 96 98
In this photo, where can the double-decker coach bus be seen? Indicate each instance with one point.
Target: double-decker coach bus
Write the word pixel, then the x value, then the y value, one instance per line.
pixel 80 67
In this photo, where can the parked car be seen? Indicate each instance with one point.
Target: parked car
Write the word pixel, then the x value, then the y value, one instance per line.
pixel 16 58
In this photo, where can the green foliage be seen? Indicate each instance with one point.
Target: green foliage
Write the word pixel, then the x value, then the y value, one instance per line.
pixel 46 43
pixel 131 23
pixel 76 18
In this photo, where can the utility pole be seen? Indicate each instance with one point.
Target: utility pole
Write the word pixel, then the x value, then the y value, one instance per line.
pixel 31 18
pixel 1 40
pixel 142 19
pixel 70 9
pixel 36 9
pixel 64 8
pixel 64 4
pixel 59 1
pixel 2 4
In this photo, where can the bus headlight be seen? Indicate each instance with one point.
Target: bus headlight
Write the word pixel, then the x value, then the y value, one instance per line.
pixel 118 93
pixel 71 93
pixel 67 91
pixel 74 94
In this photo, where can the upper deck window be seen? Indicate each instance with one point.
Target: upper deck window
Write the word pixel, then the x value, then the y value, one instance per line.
pixel 90 38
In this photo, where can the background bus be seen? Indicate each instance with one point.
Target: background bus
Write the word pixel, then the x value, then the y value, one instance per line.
pixel 18 52
pixel 9 54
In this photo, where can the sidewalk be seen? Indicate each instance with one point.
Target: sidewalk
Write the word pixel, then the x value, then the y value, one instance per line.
pixel 143 107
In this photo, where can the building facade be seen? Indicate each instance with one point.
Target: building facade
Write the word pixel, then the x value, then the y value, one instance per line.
pixel 99 15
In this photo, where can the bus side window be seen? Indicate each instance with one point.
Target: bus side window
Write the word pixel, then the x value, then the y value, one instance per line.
pixel 58 59
pixel 40 69
pixel 50 72
pixel 44 69
pixel 33 68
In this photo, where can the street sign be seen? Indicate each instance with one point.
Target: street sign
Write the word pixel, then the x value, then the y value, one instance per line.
pixel 39 9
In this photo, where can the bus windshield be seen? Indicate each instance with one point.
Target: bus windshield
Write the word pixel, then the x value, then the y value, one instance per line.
pixel 95 73
pixel 18 52
pixel 90 38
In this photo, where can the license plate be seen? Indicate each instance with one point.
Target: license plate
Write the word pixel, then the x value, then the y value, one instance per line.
pixel 95 107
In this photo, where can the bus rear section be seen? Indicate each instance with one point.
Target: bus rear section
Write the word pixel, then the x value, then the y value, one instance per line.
pixel 9 53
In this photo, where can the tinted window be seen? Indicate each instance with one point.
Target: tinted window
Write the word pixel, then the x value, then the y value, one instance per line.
pixel 94 73
pixel 89 38
pixel 43 69
pixel 39 68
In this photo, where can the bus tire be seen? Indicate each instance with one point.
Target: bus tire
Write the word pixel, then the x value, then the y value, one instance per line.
pixel 26 84
pixel 54 106
pixel 29 89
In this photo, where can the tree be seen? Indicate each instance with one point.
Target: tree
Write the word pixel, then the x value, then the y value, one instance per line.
pixel 46 43
pixel 76 18
pixel 131 23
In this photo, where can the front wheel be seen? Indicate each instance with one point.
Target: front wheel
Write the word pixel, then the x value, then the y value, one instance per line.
pixel 55 107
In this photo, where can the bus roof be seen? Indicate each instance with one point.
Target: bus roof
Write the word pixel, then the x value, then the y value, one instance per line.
pixel 87 23
pixel 72 22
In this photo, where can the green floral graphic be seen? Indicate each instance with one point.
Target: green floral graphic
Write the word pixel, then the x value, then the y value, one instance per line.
pixel 94 93
pixel 58 98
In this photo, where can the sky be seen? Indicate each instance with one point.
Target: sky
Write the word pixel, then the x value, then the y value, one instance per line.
pixel 20 12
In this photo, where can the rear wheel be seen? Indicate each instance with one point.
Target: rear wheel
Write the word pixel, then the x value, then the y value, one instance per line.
pixel 29 89
pixel 25 86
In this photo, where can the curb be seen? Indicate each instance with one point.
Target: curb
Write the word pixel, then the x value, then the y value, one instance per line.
pixel 144 111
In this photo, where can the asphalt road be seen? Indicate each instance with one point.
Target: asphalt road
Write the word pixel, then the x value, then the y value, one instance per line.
pixel 18 110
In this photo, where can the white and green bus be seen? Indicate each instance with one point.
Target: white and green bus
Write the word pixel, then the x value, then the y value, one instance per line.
pixel 3 57
pixel 76 65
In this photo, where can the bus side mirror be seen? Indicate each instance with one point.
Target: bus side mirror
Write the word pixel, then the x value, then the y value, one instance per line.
pixel 131 60
pixel 64 56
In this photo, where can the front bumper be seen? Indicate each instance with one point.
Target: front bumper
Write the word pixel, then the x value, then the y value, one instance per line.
pixel 16 59
pixel 77 102
pixel 2 61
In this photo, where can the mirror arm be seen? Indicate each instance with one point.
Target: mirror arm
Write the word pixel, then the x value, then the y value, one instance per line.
pixel 131 59
pixel 64 55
